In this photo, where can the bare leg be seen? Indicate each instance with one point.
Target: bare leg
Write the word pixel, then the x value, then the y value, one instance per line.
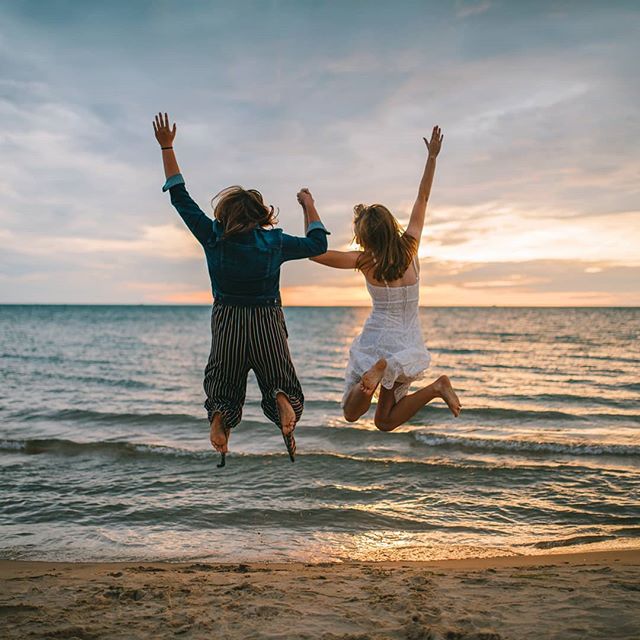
pixel 391 414
pixel 286 413
pixel 359 399
pixel 219 436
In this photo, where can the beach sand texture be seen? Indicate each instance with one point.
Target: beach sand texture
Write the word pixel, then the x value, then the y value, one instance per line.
pixel 589 595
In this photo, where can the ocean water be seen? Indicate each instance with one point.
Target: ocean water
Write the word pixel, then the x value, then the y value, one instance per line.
pixel 104 449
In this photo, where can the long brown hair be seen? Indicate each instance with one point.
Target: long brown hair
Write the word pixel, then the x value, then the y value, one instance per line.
pixel 387 249
pixel 241 210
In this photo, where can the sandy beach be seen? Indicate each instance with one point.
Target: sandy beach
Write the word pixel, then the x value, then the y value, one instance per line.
pixel 586 595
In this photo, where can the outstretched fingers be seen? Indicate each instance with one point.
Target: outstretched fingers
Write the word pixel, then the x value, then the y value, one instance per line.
pixel 164 132
pixel 433 145
pixel 161 121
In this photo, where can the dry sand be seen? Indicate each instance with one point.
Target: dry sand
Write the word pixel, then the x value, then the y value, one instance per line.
pixel 588 595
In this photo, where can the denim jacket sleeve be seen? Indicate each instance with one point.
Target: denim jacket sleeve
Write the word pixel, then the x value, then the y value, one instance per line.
pixel 199 224
pixel 314 244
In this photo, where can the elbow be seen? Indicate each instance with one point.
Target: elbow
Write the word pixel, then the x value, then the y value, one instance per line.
pixel 321 242
pixel 320 248
pixel 314 244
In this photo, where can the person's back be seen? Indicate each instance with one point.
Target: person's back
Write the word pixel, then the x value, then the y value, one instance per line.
pixel 244 254
pixel 243 249
pixel 395 306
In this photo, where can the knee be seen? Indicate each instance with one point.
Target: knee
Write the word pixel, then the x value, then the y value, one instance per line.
pixel 384 424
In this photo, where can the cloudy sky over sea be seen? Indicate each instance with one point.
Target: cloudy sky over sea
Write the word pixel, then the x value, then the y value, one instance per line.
pixel 537 194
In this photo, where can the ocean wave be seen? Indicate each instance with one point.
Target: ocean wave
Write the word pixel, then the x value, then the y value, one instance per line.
pixel 131 450
pixel 126 418
pixel 573 541
pixel 53 358
pixel 106 417
pixel 123 450
pixel 500 413
pixel 462 351
pixel 532 415
pixel 591 356
pixel 484 414
pixel 69 447
pixel 574 399
pixel 126 383
pixel 508 445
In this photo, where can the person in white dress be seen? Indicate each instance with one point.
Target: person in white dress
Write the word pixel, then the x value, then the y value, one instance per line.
pixel 390 352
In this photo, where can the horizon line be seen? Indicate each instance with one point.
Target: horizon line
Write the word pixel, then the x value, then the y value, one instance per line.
pixel 311 306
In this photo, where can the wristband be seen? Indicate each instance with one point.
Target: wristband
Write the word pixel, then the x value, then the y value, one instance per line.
pixel 163 148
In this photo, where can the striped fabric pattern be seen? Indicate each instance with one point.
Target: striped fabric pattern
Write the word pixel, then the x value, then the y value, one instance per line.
pixel 245 338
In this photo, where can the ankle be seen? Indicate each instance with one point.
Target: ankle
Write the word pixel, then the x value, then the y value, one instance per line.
pixel 217 421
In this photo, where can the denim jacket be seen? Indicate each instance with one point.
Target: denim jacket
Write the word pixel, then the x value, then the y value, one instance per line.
pixel 244 268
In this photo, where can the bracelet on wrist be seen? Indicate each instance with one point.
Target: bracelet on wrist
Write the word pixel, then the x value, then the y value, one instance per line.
pixel 164 148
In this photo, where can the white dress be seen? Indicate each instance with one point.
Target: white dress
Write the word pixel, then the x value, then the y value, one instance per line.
pixel 392 331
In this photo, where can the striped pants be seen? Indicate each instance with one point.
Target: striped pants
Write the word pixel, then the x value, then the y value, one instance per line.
pixel 245 338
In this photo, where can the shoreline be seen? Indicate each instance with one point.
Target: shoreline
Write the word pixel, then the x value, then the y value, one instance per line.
pixel 624 555
pixel 575 595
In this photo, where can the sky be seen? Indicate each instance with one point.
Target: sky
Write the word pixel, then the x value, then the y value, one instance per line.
pixel 536 199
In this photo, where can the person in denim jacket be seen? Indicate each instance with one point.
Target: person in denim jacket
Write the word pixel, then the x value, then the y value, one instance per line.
pixel 244 254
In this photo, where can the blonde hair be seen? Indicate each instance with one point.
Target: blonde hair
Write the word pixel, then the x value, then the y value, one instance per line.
pixel 241 210
pixel 387 249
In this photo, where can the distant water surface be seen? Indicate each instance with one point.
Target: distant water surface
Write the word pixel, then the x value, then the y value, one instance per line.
pixel 104 449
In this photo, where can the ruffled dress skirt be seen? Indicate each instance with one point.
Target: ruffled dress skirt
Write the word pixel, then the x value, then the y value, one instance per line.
pixel 392 331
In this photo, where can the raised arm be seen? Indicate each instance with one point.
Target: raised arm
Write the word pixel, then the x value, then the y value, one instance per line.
pixel 335 259
pixel 308 204
pixel 315 241
pixel 416 222
pixel 199 224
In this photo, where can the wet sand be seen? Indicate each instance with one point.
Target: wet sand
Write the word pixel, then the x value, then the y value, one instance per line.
pixel 586 595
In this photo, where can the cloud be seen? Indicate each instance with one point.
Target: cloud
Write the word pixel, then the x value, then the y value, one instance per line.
pixel 466 9
pixel 164 241
pixel 539 108
pixel 495 234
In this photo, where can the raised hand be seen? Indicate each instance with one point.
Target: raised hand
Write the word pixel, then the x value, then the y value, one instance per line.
pixel 164 134
pixel 434 145
pixel 305 198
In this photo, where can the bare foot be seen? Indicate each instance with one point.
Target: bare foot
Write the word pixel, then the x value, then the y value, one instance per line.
pixel 449 395
pixel 287 414
pixel 371 379
pixel 218 436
